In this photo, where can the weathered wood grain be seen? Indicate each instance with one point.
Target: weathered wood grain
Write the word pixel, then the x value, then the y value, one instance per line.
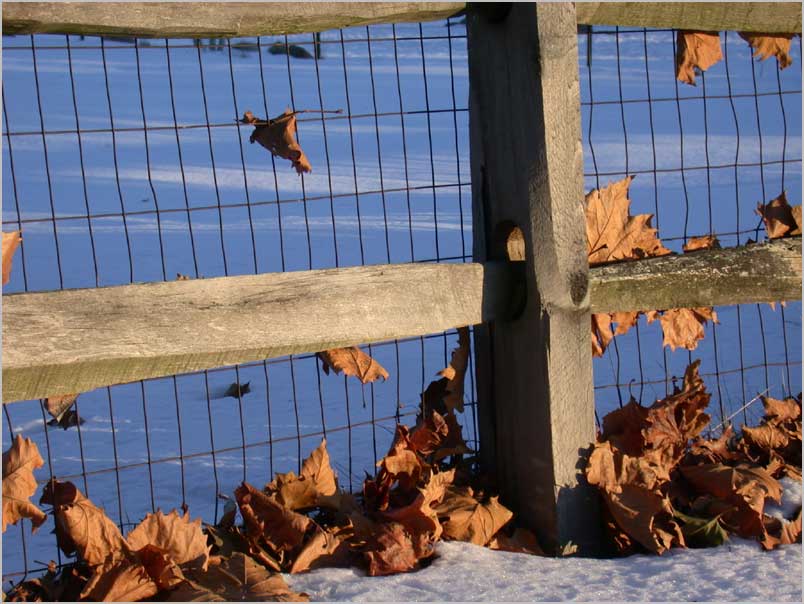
pixel 534 373
pixel 210 19
pixel 780 17
pixel 767 272
pixel 234 19
pixel 75 340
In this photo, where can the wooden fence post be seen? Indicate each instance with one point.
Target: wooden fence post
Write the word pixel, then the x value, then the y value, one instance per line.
pixel 534 370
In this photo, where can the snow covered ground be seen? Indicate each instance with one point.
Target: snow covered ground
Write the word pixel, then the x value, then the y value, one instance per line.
pixel 738 571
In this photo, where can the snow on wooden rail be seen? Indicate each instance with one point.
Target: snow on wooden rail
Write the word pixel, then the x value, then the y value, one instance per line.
pixel 234 19
pixel 75 340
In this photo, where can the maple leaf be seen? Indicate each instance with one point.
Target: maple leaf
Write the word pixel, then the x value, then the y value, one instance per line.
pixel 781 410
pixel 236 579
pixel 326 548
pixel 706 242
pixel 714 450
pixel 401 464
pixel 455 372
pixel 390 551
pixel 19 484
pixel 696 50
pixel 612 233
pixel 282 529
pixel 120 580
pixel 683 327
pixel 647 516
pixel 317 481
pixel 464 518
pixel 181 540
pixel 11 242
pixel 623 428
pixel 58 406
pixel 352 361
pixel 278 135
pixel 768 45
pixel 780 218
pixel 781 531
pixel 611 469
pixel 437 436
pixel 83 527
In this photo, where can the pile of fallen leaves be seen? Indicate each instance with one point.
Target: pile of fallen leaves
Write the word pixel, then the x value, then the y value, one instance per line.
pixel 664 485
pixel 423 490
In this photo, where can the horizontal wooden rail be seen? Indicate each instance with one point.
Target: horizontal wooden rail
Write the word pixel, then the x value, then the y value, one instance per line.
pixel 235 19
pixel 76 340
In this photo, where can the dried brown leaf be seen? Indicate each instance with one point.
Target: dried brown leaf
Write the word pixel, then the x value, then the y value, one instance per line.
pixel 611 470
pixel 683 327
pixel 236 579
pixel 278 135
pixel 316 482
pixel 352 361
pixel 780 218
pixel 646 516
pixel 390 551
pixel 326 548
pixel 465 518
pixel 696 50
pixel 264 518
pixel 456 371
pixel 601 333
pixel 83 527
pixel 11 242
pixel 612 233
pixel 781 410
pixel 120 580
pixel 623 428
pixel 768 45
pixel 521 541
pixel 707 242
pixel 19 484
pixel 183 541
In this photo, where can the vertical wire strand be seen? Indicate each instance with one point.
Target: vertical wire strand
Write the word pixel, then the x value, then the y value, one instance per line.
pixel 16 193
pixel 212 445
pixel 148 446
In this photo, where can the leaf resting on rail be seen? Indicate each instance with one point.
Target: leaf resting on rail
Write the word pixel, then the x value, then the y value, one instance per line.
pixel 770 45
pixel 781 220
pixel 696 51
pixel 11 242
pixel 278 135
pixel 352 361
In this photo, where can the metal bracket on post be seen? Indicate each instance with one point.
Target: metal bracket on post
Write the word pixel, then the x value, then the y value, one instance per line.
pixel 534 372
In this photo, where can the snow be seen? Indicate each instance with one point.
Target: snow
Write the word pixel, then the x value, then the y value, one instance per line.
pixel 791 500
pixel 738 571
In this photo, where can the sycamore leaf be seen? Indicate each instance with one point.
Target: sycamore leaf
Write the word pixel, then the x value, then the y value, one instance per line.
pixel 390 551
pixel 696 50
pixel 611 470
pixel 521 541
pixel 11 242
pixel 683 327
pixel 612 233
pixel 57 406
pixel 236 579
pixel 782 531
pixel 767 437
pixel 465 518
pixel 19 462
pixel 714 450
pixel 352 361
pixel 768 45
pixel 779 217
pixel 436 436
pixel 707 242
pixel 183 541
pixel 317 481
pixel 326 548
pixel 401 464
pixel 455 372
pixel 702 532
pixel 601 333
pixel 646 516
pixel 278 135
pixel 623 428
pixel 781 410
pixel 264 518
pixel 119 580
pixel 83 527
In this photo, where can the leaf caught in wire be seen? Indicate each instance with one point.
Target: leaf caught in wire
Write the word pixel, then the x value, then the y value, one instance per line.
pixel 768 45
pixel 352 361
pixel 696 51
pixel 278 135
pixel 11 242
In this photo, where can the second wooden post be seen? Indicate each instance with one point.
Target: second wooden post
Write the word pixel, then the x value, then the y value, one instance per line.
pixel 534 369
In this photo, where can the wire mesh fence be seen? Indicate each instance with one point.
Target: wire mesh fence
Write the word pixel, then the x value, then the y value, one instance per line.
pixel 123 162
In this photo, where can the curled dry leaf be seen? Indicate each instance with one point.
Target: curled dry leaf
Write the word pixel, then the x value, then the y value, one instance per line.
pixel 782 531
pixel 11 242
pixel 317 482
pixel 780 218
pixel 437 436
pixel 278 135
pixel 57 406
pixel 612 233
pixel 390 551
pixel 696 50
pixel 646 516
pixel 455 372
pixel 82 526
pixel 464 518
pixel 120 580
pixel 683 327
pixel 352 361
pixel 19 484
pixel 521 541
pixel 767 45
pixel 282 529
pixel 777 410
pixel 326 548
pixel 236 579
pixel 182 541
